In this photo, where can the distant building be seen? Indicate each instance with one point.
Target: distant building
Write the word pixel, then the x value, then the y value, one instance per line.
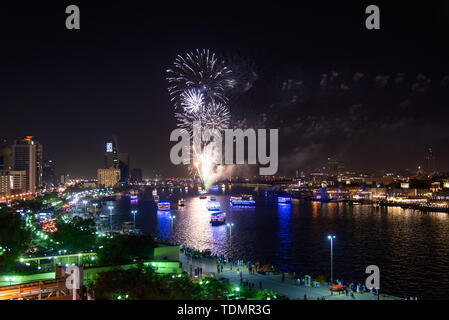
pixel 39 164
pixel 113 158
pixel 108 177
pixel 48 172
pixel 430 161
pixel 111 155
pixel 136 175
pixel 63 179
pixel 124 167
pixel 5 155
pixel 18 180
pixel 335 167
pixel 24 158
pixel 4 183
pixel 12 181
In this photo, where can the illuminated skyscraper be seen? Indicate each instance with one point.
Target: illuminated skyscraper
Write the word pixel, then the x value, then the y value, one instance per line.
pixel 114 159
pixel 111 156
pixel 108 177
pixel 39 164
pixel 24 158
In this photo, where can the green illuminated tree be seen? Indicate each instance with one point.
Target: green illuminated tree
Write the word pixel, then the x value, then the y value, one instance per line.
pixel 14 238
pixel 76 235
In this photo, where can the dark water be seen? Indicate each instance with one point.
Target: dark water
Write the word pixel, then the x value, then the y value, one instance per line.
pixel 410 248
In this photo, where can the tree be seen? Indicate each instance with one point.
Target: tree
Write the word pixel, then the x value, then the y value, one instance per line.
pixel 14 238
pixel 77 234
pixel 125 248
pixel 145 284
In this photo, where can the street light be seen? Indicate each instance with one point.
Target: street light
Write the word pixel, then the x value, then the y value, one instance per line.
pixel 95 207
pixel 110 215
pixel 134 213
pixel 331 238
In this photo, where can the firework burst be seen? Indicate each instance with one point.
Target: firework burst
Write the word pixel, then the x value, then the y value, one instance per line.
pixel 192 101
pixel 198 83
pixel 200 70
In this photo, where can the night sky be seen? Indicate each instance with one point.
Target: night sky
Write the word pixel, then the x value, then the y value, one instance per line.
pixel 373 99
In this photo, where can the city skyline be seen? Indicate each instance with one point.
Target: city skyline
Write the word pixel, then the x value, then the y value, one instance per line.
pixel 338 106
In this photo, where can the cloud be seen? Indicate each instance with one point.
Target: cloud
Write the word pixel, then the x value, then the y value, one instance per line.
pixel 445 82
pixel 357 76
pixel 422 83
pixel 400 78
pixel 382 80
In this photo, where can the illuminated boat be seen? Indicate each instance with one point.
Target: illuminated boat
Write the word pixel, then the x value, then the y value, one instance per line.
pixel 244 201
pixel 156 198
pixel 163 206
pixel 284 199
pixel 203 195
pixel 213 205
pixel 218 218
pixel 181 203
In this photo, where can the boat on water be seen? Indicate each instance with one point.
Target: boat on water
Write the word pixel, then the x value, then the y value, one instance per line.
pixel 218 218
pixel 181 203
pixel 203 195
pixel 284 199
pixel 244 200
pixel 213 205
pixel 156 198
pixel 163 206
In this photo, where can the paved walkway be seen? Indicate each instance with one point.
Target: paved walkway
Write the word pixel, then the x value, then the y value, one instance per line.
pixel 288 287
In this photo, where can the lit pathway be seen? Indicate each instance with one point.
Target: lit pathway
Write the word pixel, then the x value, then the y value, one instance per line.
pixel 271 282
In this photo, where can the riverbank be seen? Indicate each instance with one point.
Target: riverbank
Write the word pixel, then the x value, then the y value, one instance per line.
pixel 276 283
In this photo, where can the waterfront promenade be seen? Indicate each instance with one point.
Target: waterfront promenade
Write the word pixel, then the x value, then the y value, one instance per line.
pixel 287 288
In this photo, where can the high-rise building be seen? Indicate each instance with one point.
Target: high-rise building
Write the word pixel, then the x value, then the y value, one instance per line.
pixel 4 183
pixel 48 172
pixel 108 177
pixel 5 155
pixel 111 156
pixel 17 180
pixel 430 161
pixel 114 159
pixel 39 164
pixel 136 175
pixel 24 158
pixel 124 167
pixel 12 181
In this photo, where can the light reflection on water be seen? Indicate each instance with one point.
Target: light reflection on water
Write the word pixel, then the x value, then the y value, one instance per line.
pixel 410 248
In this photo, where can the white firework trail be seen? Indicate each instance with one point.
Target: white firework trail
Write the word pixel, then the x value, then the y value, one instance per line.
pixel 198 83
